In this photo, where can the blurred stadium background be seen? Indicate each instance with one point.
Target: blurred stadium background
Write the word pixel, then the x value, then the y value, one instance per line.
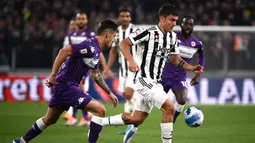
pixel 32 32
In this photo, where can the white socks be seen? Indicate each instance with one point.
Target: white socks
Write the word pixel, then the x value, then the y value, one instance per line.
pixel 109 121
pixel 178 107
pixel 22 140
pixel 166 132
pixel 40 124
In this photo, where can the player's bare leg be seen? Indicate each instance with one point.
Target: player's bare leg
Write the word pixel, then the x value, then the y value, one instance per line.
pixel 181 98
pixel 128 106
pixel 40 125
pixel 99 110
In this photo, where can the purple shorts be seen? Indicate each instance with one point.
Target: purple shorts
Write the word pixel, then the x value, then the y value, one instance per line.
pixel 65 95
pixel 170 84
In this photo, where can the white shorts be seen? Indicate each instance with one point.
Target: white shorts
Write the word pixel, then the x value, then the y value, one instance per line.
pixel 125 82
pixel 148 93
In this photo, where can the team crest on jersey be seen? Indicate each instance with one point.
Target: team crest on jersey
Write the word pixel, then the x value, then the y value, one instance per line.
pixel 92 34
pixel 193 44
pixel 92 49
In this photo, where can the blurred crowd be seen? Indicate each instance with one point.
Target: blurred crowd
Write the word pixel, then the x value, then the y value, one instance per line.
pixel 35 27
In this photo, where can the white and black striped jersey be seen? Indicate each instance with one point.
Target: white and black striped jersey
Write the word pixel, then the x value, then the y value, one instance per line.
pixel 121 35
pixel 153 50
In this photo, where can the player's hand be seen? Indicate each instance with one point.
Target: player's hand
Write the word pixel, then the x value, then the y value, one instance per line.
pixel 114 99
pixel 195 80
pixel 107 73
pixel 51 81
pixel 198 69
pixel 133 67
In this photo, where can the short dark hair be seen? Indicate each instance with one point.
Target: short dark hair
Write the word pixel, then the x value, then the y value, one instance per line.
pixel 81 13
pixel 168 9
pixel 106 25
pixel 188 17
pixel 124 10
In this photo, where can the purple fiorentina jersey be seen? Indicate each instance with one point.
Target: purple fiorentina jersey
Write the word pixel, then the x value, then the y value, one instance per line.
pixel 188 48
pixel 85 57
pixel 77 36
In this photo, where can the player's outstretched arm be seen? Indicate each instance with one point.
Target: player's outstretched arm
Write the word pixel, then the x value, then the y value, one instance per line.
pixel 179 62
pixel 125 49
pixel 98 78
pixel 112 58
pixel 61 57
pixel 195 80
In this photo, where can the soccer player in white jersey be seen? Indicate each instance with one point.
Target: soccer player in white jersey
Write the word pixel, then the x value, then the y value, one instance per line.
pixel 125 76
pixel 155 46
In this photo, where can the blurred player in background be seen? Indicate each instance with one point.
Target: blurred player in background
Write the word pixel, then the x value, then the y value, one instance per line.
pixel 78 33
pixel 67 71
pixel 125 76
pixel 155 46
pixel 71 27
pixel 175 78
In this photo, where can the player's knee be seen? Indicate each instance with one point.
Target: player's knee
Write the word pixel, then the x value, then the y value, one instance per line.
pixel 168 108
pixel 182 100
pixel 101 112
pixel 128 94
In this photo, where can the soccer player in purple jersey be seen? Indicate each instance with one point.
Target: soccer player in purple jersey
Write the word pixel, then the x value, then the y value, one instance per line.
pixel 175 78
pixel 76 36
pixel 81 33
pixel 68 69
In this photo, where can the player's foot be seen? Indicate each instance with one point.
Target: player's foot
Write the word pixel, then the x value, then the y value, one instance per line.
pixel 16 141
pixel 67 116
pixel 128 136
pixel 71 121
pixel 176 114
pixel 125 131
pixel 83 122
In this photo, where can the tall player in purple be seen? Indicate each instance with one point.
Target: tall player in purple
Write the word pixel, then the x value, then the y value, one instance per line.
pixel 81 33
pixel 69 67
pixel 175 78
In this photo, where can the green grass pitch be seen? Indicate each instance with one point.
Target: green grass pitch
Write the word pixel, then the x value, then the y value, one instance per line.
pixel 223 124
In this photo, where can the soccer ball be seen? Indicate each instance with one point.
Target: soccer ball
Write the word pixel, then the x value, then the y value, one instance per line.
pixel 193 117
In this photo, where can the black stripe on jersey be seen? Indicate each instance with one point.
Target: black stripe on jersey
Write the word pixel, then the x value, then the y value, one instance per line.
pixel 143 82
pixel 146 47
pixel 153 57
pixel 135 77
pixel 162 59
pixel 121 70
pixel 126 66
pixel 131 51
pixel 141 35
pixel 171 42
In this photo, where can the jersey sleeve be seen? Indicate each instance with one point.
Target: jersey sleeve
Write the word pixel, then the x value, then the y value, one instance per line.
pixel 175 50
pixel 82 49
pixel 139 36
